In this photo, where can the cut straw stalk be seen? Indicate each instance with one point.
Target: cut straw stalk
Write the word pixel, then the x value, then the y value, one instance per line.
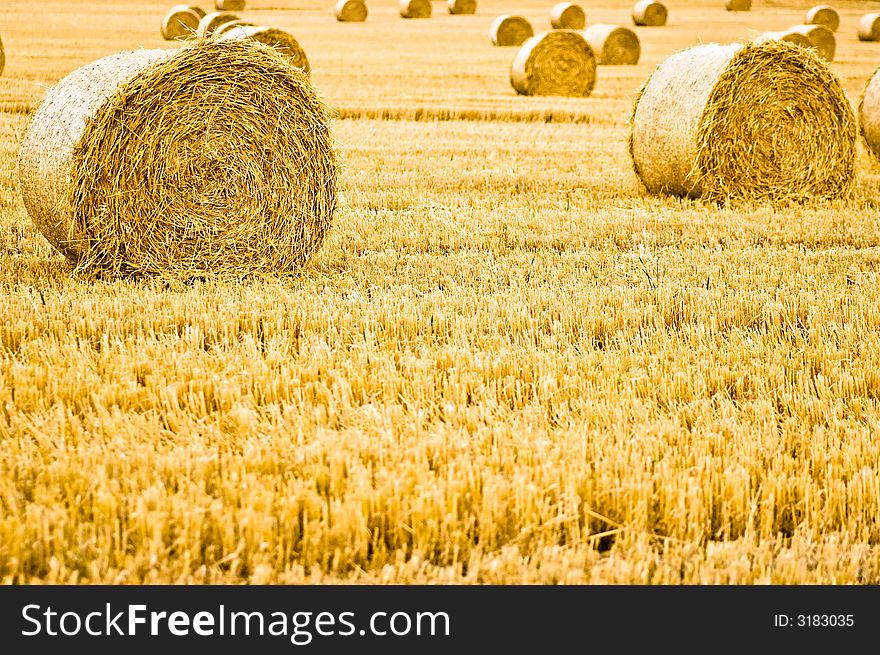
pixel 507 30
pixel 567 16
pixel 821 37
pixel 181 22
pixel 210 22
pixel 557 63
pixel 869 27
pixel 650 14
pixel 762 122
pixel 126 175
pixel 414 8
pixel 461 6
pixel 613 44
pixel 351 11
pixel 738 5
pixel 229 5
pixel 283 42
pixel 823 15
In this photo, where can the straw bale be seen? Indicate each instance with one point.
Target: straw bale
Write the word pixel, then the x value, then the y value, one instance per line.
pixel 461 6
pixel 613 44
pixel 181 22
pixel 567 16
pixel 351 11
pixel 869 27
pixel 823 15
pixel 650 14
pixel 556 63
pixel 509 30
pixel 414 8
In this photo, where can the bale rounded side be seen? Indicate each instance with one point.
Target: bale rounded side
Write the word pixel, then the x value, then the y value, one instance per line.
pixel 556 63
pixel 280 40
pixel 823 39
pixel 738 5
pixel 201 12
pixel 211 21
pixel 229 5
pixel 613 45
pixel 869 114
pixel 414 8
pixel 650 14
pixel 759 122
pixel 179 23
pixel 507 30
pixel 461 6
pixel 567 16
pixel 2 57
pixel 869 27
pixel 351 11
pixel 127 176
pixel 823 15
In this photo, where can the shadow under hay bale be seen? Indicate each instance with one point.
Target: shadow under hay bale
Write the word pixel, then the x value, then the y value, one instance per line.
pixel 613 45
pixel 823 15
pixel 821 37
pixel 229 5
pixel 869 27
pixel 759 122
pixel 461 6
pixel 869 114
pixel 557 63
pixel 507 30
pixel 414 8
pixel 283 42
pixel 126 175
pixel 210 22
pixel 351 11
pixel 738 5
pixel 650 14
pixel 180 23
pixel 567 16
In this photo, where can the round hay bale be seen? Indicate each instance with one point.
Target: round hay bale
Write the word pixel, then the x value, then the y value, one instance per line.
pixel 823 15
pixel 790 37
pixel 738 5
pixel 351 11
pixel 201 12
pixel 821 37
pixel 210 22
pixel 2 57
pixel 225 27
pixel 869 114
pixel 229 5
pixel 567 16
pixel 869 27
pixel 179 23
pixel 126 175
pixel 613 45
pixel 510 30
pixel 557 63
pixel 283 42
pixel 650 14
pixel 461 6
pixel 415 8
pixel 761 122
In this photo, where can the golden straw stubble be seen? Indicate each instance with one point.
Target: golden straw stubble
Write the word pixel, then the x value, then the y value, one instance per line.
pixel 613 44
pixel 650 14
pixel 414 8
pixel 127 176
pixel 759 122
pixel 567 16
pixel 461 6
pixel 556 63
pixel 869 27
pixel 181 22
pixel 351 11
pixel 282 41
pixel 823 15
pixel 210 22
pixel 507 30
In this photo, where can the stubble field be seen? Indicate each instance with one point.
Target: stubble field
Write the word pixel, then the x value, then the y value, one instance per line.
pixel 506 364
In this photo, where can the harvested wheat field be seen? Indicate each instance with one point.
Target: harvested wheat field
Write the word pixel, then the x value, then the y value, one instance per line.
pixel 507 362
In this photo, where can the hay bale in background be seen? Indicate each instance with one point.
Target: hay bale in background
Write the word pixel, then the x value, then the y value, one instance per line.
pixel 461 6
pixel 509 30
pixel 821 37
pixel 790 37
pixel 567 16
pixel 179 23
pixel 414 8
pixel 738 5
pixel 761 122
pixel 869 114
pixel 2 57
pixel 210 22
pixel 201 12
pixel 557 63
pixel 823 15
pixel 283 42
pixel 351 11
pixel 613 44
pixel 869 27
pixel 228 26
pixel 126 175
pixel 650 14
pixel 229 5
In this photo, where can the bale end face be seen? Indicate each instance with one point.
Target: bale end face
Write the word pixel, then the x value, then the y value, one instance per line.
pixel 869 27
pixel 738 5
pixel 351 11
pixel 414 8
pixel 869 114
pixel 821 38
pixel 507 30
pixel 2 57
pixel 456 7
pixel 825 15
pixel 179 23
pixel 567 16
pixel 789 37
pixel 281 41
pixel 557 63
pixel 613 45
pixel 650 14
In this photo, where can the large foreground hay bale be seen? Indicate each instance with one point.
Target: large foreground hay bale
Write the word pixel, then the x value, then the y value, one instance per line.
pixel 766 122
pixel 229 5
pixel 414 8
pixel 650 14
pixel 869 27
pixel 869 114
pixel 210 22
pixel 823 15
pixel 351 11
pixel 126 175
pixel 738 5
pixel 613 44
pixel 789 37
pixel 461 6
pixel 509 30
pixel 821 37
pixel 283 42
pixel 567 16
pixel 557 63
pixel 179 23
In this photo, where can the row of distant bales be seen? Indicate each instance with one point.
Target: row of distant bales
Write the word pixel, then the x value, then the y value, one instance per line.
pixel 601 43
